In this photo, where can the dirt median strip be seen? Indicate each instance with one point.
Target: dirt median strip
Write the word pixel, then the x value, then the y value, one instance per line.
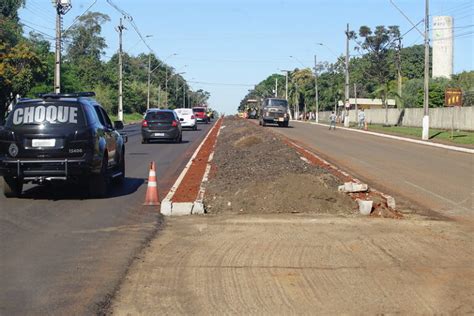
pixel 254 171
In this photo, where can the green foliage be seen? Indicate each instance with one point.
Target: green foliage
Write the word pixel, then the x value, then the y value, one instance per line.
pixel 27 67
pixel 375 74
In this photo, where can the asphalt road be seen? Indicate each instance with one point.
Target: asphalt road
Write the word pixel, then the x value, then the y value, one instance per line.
pixel 62 253
pixel 421 177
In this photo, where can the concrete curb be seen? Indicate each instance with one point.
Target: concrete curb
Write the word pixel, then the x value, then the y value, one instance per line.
pixel 170 208
pixel 421 142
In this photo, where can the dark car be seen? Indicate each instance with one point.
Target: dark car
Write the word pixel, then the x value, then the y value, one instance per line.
pixel 201 114
pixel 274 111
pixel 161 124
pixel 61 137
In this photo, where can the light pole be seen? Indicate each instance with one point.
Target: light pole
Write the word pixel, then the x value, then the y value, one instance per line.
pixel 152 70
pixel 426 90
pixel 316 96
pixel 299 61
pixel 166 83
pixel 286 89
pixel 328 48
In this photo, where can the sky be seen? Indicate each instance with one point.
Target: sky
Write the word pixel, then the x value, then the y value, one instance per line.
pixel 228 46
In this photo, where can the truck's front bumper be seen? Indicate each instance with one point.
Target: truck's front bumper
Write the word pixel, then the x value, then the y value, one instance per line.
pixel 45 169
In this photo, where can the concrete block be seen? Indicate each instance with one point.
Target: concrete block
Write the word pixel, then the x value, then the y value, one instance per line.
pixel 182 208
pixel 166 207
pixel 198 208
pixel 355 187
pixel 391 202
pixel 365 207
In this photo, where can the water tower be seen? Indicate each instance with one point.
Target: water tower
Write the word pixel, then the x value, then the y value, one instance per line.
pixel 442 41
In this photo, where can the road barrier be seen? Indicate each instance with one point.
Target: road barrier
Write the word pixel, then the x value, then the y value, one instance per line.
pixel 152 197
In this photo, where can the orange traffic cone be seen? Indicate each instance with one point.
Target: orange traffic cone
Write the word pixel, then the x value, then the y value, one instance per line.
pixel 152 196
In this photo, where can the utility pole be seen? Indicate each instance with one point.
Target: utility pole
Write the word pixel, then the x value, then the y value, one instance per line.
pixel 316 89
pixel 286 91
pixel 120 29
pixel 62 7
pixel 166 87
pixel 355 101
pixel 184 95
pixel 276 87
pixel 399 67
pixel 149 75
pixel 426 118
pixel 346 90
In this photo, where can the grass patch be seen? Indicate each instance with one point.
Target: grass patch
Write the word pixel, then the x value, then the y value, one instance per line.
pixel 128 117
pixel 459 137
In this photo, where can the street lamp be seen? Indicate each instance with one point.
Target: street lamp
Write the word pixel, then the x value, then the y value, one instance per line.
pixel 286 89
pixel 152 70
pixel 166 84
pixel 328 48
pixel 299 61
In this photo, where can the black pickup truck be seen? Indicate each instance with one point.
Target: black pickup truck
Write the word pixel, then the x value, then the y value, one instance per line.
pixel 61 137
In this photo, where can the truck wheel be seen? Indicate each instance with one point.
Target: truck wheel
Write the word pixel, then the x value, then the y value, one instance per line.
pixel 99 183
pixel 12 187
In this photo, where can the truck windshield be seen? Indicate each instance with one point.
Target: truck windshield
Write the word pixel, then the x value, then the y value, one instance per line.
pixel 275 102
pixel 52 114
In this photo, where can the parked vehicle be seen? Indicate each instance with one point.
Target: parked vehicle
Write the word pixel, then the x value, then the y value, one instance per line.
pixel 161 124
pixel 187 118
pixel 274 111
pixel 201 114
pixel 61 137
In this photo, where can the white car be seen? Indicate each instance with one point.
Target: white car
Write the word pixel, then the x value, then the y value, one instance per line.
pixel 187 118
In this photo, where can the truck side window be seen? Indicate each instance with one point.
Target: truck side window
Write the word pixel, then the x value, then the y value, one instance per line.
pixel 99 115
pixel 107 120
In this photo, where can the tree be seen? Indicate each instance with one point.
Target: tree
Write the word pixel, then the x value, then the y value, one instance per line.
pixel 84 50
pixel 19 63
pixel 378 44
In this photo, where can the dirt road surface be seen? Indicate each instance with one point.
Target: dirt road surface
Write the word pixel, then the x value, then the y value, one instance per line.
pixel 302 264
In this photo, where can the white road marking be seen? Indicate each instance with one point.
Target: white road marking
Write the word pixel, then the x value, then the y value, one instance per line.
pixel 437 195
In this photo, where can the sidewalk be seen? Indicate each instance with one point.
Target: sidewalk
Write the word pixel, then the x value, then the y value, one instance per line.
pixel 466 149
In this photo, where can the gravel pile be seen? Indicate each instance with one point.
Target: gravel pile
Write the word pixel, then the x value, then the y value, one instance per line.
pixel 255 172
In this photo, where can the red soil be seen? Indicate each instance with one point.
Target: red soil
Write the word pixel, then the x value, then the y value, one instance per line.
pixel 189 187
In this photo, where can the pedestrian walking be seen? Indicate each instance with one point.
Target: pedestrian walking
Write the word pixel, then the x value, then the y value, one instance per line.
pixel 332 120
pixel 361 118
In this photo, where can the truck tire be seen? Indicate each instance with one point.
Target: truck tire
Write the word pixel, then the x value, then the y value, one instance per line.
pixel 99 183
pixel 12 187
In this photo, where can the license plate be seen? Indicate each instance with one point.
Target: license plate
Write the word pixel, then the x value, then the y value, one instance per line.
pixel 159 134
pixel 281 119
pixel 43 142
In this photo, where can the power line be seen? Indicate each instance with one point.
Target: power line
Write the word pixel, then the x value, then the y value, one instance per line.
pixel 35 29
pixel 38 25
pixel 78 17
pixel 129 17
